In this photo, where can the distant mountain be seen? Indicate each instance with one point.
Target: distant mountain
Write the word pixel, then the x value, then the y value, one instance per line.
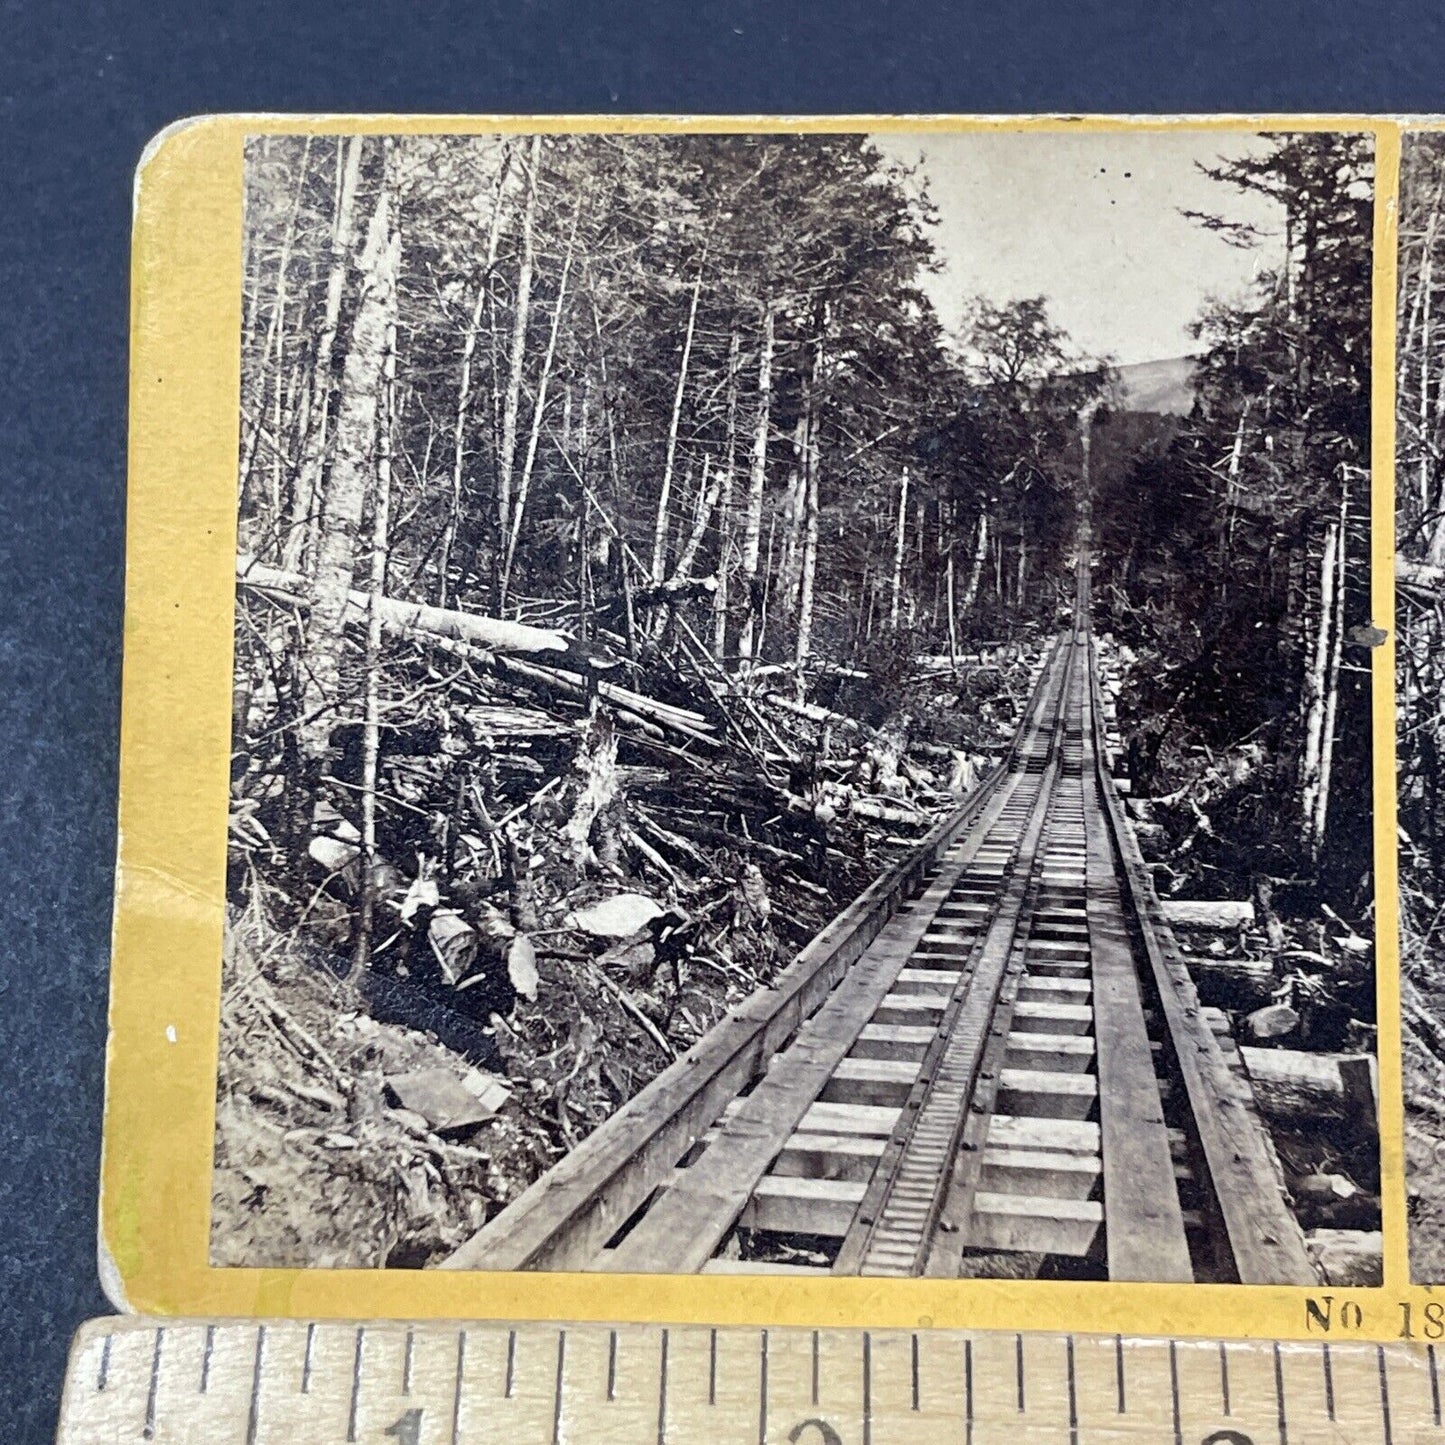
pixel 1165 387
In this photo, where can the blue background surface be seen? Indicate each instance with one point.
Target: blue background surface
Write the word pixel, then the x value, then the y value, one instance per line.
pixel 83 85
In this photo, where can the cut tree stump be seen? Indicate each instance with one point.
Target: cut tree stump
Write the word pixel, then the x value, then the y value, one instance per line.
pixel 1295 1088
pixel 1237 983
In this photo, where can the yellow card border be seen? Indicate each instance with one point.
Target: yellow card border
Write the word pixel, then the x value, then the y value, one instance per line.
pixel 175 744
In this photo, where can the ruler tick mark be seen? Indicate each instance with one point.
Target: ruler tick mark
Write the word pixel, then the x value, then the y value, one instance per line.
pixel 815 1367
pixel 1279 1396
pixel 1329 1369
pixel 1118 1374
pixel 763 1392
pixel 1224 1377
pixel 206 1358
pixel 1019 1369
pixel 408 1362
pixel 867 1388
pixel 102 1377
pixel 557 1395
pixel 968 1392
pixel 253 1416
pixel 1384 1394
pixel 1434 1383
pixel 305 1363
pixel 1073 1391
pixel 356 1361
pixel 457 1394
pixel 612 1365
pixel 511 1364
pixel 149 1432
pixel 662 1394
pixel 915 1370
pixel 712 1367
pixel 1174 1392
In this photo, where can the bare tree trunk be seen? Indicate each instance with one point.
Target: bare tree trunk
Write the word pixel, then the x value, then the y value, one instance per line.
pixel 664 496
pixel 371 727
pixel 361 385
pixel 306 501
pixel 1332 683
pixel 980 551
pixel 513 397
pixel 275 346
pixel 725 509
pixel 1423 481
pixel 464 386
pixel 898 547
pixel 1231 490
pixel 539 407
pixel 1316 691
pixel 709 490
pixel 795 505
pixel 952 609
pixel 809 569
pixel 753 526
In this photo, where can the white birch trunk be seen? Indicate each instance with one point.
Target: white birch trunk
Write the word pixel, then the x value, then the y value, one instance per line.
pixel 351 468
pixel 464 385
pixel 725 511
pixel 757 477
pixel 524 485
pixel 512 400
pixel 664 496
pixel 1315 691
pixel 306 499
pixel 980 552
pixel 371 724
pixel 808 571
pixel 1332 684
pixel 898 549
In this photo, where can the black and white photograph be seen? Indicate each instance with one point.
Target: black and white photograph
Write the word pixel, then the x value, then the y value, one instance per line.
pixel 1420 686
pixel 802 705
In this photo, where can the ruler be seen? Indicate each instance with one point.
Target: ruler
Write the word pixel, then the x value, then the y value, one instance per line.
pixel 391 1383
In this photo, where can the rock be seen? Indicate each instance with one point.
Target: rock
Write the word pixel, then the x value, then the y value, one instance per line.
pixel 617 917
pixel 1273 1021
pixel 487 1089
pixel 1347 1257
pixel 442 1099
pixel 522 967
pixel 1321 1187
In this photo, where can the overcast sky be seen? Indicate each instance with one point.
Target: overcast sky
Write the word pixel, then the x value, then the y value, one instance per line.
pixel 1090 220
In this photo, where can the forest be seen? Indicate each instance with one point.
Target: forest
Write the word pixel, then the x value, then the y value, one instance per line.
pixel 1420 678
pixel 631 562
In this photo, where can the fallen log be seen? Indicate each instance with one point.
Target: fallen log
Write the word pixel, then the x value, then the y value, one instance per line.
pixel 1296 1088
pixel 492 633
pixel 823 716
pixel 1419 577
pixel 881 812
pixel 1220 915
pixel 642 714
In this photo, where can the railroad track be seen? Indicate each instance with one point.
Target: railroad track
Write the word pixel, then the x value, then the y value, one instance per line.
pixel 993 1063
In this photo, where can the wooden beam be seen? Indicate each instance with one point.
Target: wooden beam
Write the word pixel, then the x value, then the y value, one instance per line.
pixel 1240 1167
pixel 1146 1239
